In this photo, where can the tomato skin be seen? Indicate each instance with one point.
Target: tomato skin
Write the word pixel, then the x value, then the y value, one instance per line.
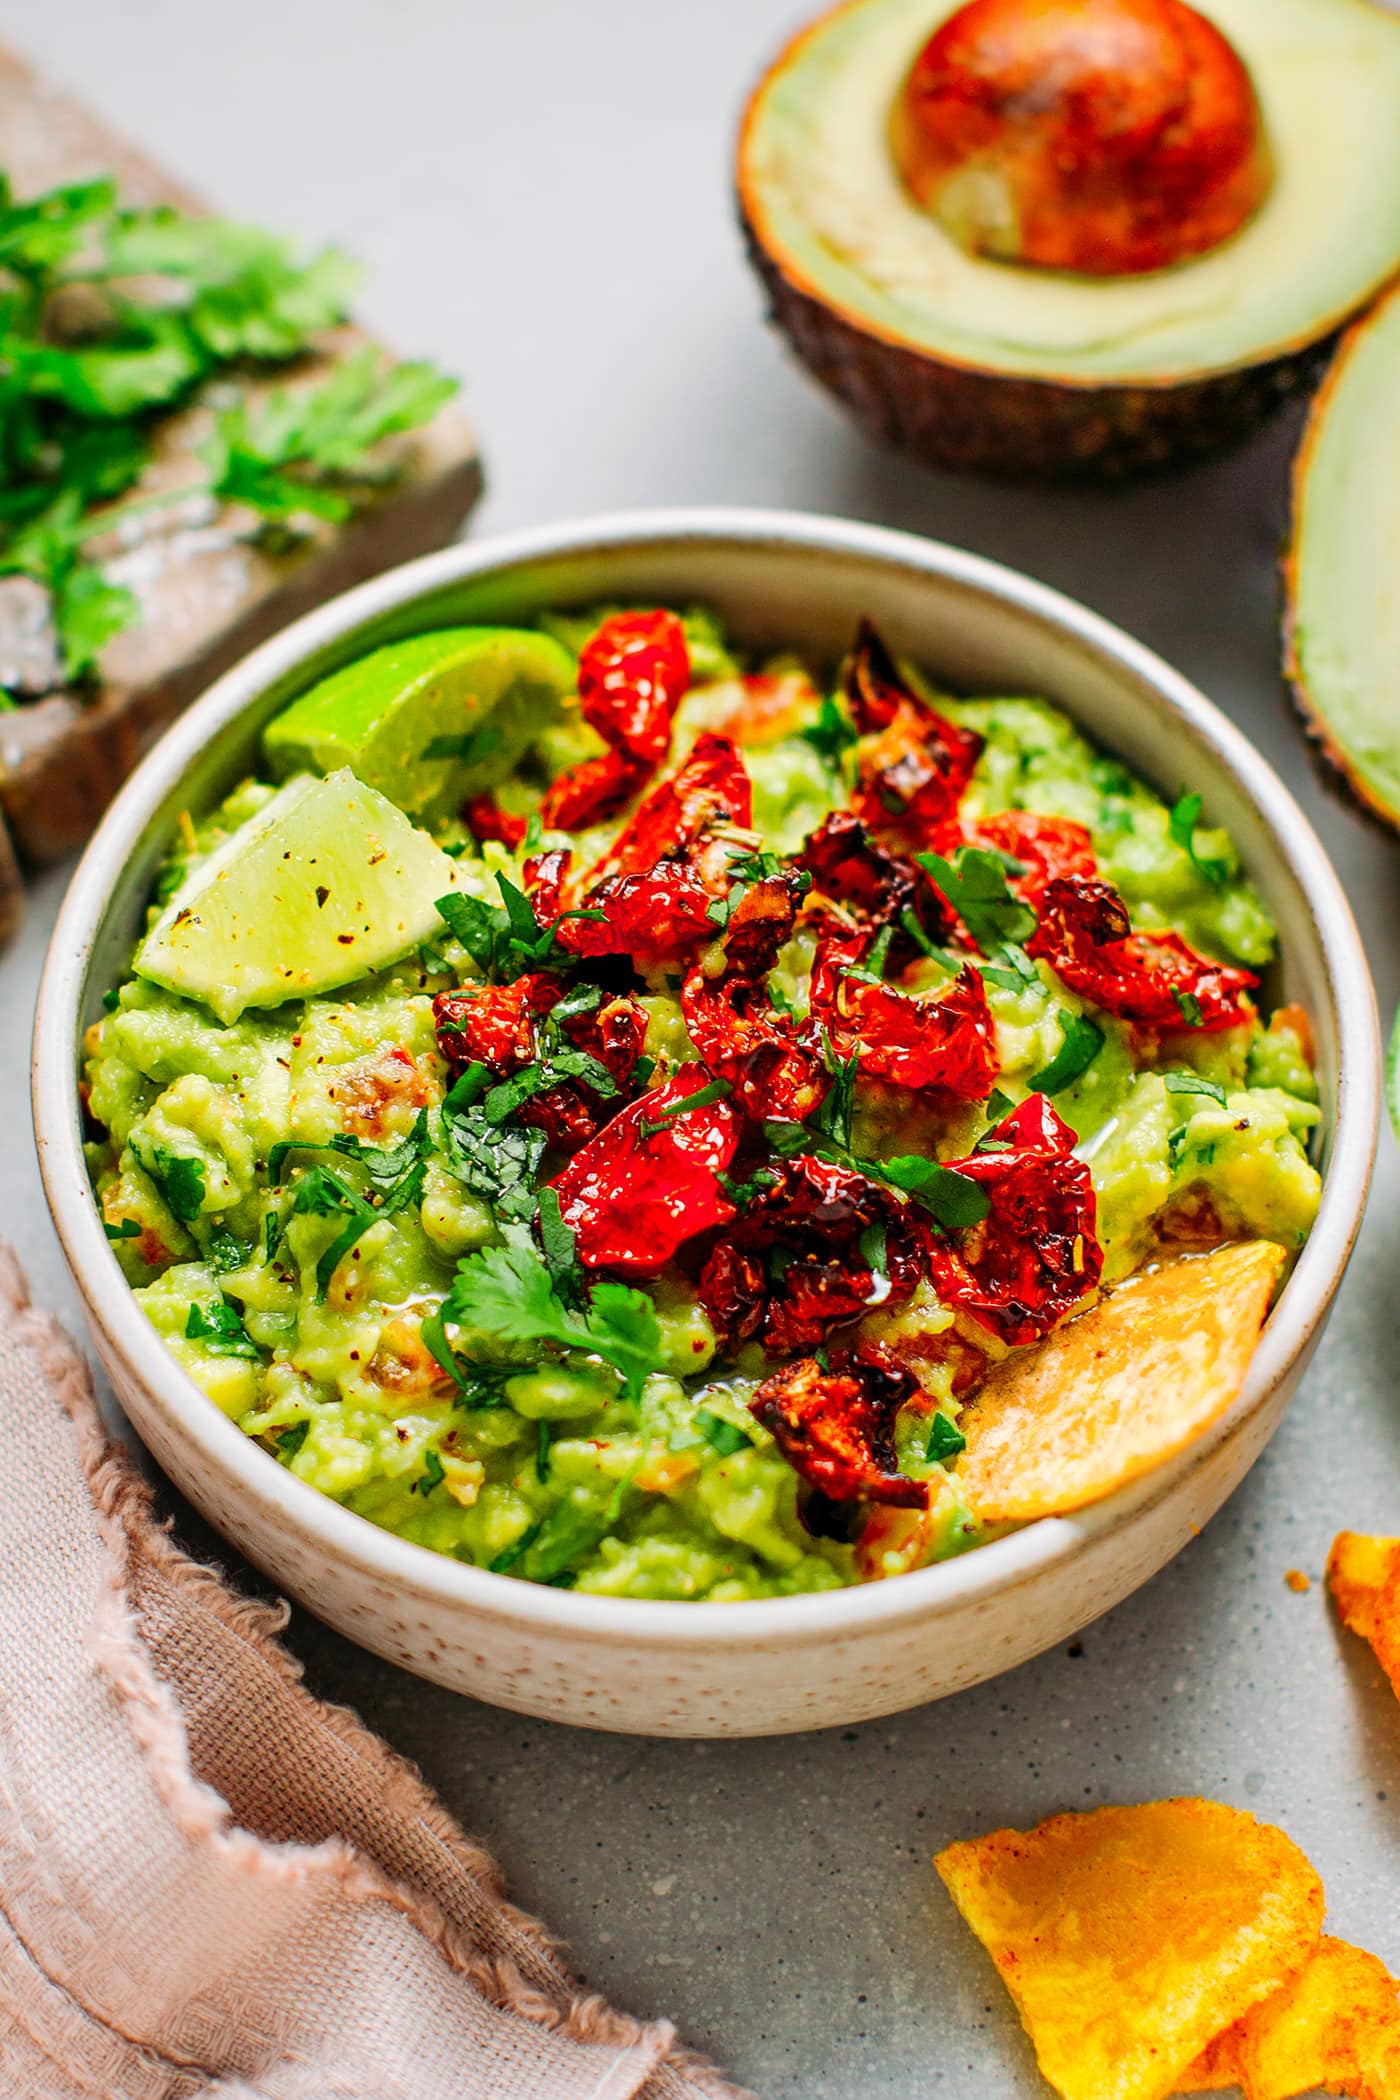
pixel 1051 847
pixel 711 787
pixel 947 1044
pixel 634 1194
pixel 1086 937
pixel 653 918
pixel 1036 1253
pixel 486 820
pixel 836 1428
pixel 633 674
pixel 913 766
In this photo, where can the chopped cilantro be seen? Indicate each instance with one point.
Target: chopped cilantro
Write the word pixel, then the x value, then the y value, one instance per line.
pixel 272 1234
pixel 560 1250
pixel 1193 1083
pixel 831 734
pixel 111 999
pixel 873 1250
pixel 742 1193
pixel 1188 1006
pixel 181 1181
pixel 227 1253
pixel 124 1229
pixel 322 1194
pixel 506 1296
pixel 833 1115
pixel 724 1437
pixel 509 1555
pixel 290 1441
pixel 974 883
pixel 542 1451
pixel 219 1327
pixel 951 1198
pixel 498 1161
pixel 503 939
pixel 1013 970
pixel 945 1440
pixel 997 1106
pixel 703 1097
pixel 431 1476
pixel 1080 1043
pixel 1183 822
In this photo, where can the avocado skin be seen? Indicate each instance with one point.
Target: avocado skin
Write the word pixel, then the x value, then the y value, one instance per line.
pixel 1332 762
pixel 1018 429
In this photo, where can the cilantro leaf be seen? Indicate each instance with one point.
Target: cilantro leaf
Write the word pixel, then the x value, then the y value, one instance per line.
pixel 560 1249
pixel 1193 1083
pixel 724 1437
pixel 949 1197
pixel 945 1440
pixel 507 1295
pixel 124 1229
pixel 1184 819
pixel 703 1097
pixel 832 734
pixel 1080 1043
pixel 219 1327
pixel 974 883
pixel 290 1441
pixel 181 1181
pixel 227 1253
pixel 432 1475
pixel 1188 1006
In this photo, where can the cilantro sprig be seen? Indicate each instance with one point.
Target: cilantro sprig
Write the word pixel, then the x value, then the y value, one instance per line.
pixel 505 939
pixel 974 883
pixel 506 1296
pixel 1183 822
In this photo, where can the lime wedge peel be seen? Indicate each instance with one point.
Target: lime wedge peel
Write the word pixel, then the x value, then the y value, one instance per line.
pixel 428 721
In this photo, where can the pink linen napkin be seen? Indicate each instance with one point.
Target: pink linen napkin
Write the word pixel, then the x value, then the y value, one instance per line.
pixel 211 1883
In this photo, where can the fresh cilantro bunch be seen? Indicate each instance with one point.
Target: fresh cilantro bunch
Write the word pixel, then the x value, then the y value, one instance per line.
pixel 111 320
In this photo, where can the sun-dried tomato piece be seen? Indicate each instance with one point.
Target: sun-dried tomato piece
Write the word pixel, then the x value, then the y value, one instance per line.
pixel 814 1214
pixel 947 1043
pixel 494 1024
pixel 734 1292
pixel 742 1037
pixel 648 1182
pixel 1036 1253
pixel 1155 979
pixel 1051 848
pixel 912 765
pixel 710 789
pixel 632 676
pixel 485 819
pixel 836 1428
pixel 652 918
pixel 852 868
pixel 761 917
pixel 592 790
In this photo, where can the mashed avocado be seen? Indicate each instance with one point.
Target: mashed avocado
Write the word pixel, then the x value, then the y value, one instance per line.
pixel 296 1195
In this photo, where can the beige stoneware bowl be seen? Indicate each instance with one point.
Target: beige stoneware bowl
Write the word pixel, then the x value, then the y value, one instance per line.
pixel 788 1663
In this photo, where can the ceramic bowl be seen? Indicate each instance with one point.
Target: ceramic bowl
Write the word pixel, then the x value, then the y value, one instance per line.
pixel 789 1663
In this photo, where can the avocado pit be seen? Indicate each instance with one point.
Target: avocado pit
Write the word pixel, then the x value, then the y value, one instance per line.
pixel 1104 137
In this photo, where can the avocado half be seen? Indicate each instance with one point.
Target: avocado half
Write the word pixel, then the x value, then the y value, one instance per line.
pixel 974 363
pixel 1342 568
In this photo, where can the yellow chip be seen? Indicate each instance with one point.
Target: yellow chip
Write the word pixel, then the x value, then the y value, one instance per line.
pixel 1364 1576
pixel 1113 1393
pixel 1321 2029
pixel 1217 2066
pixel 1131 1937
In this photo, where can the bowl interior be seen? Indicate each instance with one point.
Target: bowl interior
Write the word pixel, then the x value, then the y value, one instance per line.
pixel 777 581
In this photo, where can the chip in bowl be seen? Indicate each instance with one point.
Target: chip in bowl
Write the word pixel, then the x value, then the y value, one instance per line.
pixel 1130 1937
pixel 1120 1389
pixel 1363 1574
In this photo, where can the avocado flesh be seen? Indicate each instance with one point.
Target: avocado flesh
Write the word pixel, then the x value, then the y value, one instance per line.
pixel 1344 571
pixel 428 721
pixel 826 205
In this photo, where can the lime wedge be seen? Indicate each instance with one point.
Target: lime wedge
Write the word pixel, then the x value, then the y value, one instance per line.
pixel 326 884
pixel 428 721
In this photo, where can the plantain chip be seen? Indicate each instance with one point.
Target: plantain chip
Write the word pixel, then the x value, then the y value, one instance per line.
pixel 1364 1576
pixel 1325 2028
pixel 1130 1937
pixel 1115 1392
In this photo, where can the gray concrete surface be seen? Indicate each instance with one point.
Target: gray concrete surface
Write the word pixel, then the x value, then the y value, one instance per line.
pixel 541 189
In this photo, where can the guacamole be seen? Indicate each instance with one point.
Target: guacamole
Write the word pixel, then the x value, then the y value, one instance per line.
pixel 614 1153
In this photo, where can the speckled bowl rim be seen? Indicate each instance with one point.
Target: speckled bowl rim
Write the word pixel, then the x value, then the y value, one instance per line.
pixel 801 1621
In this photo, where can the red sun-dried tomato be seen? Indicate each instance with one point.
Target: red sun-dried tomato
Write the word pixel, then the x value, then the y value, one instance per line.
pixel 485 819
pixel 652 918
pixel 734 1292
pixel 497 1026
pixel 648 1182
pixel 633 674
pixel 1050 847
pixel 836 1428
pixel 1036 1253
pixel 710 789
pixel 853 869
pixel 912 766
pixel 813 1215
pixel 741 1035
pixel 1154 979
pixel 947 1043
pixel 494 1024
pixel 594 789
